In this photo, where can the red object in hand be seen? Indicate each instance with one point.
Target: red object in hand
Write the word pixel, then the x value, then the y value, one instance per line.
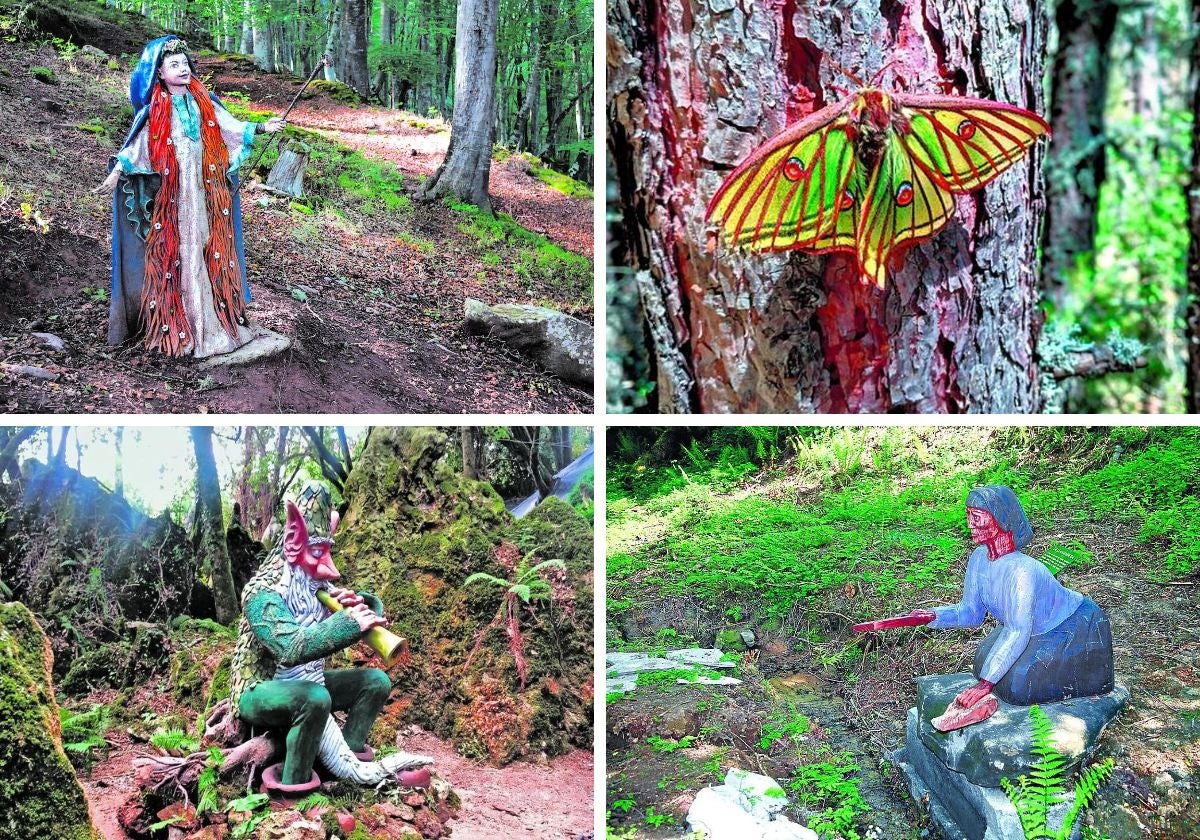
pixel 916 618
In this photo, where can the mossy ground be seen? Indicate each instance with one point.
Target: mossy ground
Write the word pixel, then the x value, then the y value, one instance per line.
pixel 798 533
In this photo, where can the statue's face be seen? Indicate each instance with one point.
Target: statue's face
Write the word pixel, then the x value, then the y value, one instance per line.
pixel 311 555
pixel 316 561
pixel 984 527
pixel 175 70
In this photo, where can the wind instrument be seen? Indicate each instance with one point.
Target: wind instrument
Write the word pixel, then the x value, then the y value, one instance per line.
pixel 393 648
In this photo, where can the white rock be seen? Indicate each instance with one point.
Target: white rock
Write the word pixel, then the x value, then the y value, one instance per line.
pixel 636 663
pixel 716 812
pixel 621 685
pixel 711 681
pixel 761 795
pixel 707 657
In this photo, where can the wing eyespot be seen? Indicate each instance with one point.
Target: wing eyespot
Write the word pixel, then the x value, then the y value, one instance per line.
pixel 846 201
pixel 904 194
pixel 966 130
pixel 794 169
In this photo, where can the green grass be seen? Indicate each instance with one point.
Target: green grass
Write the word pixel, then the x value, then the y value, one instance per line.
pixel 883 510
pixel 532 256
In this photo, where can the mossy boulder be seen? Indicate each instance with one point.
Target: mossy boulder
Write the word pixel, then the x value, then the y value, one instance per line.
pixel 39 793
pixel 200 655
pixel 414 530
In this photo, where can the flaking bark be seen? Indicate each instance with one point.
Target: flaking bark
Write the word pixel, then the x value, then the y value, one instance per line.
pixel 694 87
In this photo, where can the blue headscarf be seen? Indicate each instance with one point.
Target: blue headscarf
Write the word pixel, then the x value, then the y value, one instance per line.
pixel 145 75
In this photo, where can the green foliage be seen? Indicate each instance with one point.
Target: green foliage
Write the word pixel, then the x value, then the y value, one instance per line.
pixel 533 257
pixel 255 804
pixel 830 785
pixel 83 732
pixel 527 583
pixel 43 74
pixel 783 723
pixel 668 745
pixel 1045 787
pixel 174 741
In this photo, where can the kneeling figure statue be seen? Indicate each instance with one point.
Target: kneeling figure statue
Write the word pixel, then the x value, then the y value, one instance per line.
pixel 279 679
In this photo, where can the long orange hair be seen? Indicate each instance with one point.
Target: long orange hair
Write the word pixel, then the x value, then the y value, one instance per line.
pixel 167 327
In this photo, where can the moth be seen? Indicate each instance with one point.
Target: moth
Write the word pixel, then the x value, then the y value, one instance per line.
pixel 870 174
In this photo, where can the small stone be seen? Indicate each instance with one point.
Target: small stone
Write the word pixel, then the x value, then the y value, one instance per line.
pixel 32 371
pixel 416 800
pixel 51 340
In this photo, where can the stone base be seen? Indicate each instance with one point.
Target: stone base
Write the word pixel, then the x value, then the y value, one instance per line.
pixel 959 809
pixel 265 344
pixel 1001 747
pixel 955 776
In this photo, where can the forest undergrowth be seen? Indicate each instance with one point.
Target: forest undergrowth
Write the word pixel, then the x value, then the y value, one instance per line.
pixel 368 282
pixel 795 534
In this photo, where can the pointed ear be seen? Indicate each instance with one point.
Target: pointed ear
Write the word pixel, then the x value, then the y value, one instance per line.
pixel 295 533
pixel 335 519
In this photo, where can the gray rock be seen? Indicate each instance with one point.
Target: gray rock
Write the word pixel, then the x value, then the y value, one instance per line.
pixel 32 371
pixel 50 340
pixel 94 52
pixel 1001 746
pixel 561 344
pixel 624 664
pixel 961 810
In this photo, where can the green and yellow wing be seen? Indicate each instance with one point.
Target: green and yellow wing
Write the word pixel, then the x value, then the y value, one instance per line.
pixel 793 191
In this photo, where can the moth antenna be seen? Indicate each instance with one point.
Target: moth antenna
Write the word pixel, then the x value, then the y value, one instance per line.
pixel 878 78
pixel 844 72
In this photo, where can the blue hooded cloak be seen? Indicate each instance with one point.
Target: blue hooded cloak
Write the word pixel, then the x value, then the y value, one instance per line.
pixel 133 205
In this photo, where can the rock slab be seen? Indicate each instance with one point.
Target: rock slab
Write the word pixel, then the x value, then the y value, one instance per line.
pixel 561 344
pixel 1001 746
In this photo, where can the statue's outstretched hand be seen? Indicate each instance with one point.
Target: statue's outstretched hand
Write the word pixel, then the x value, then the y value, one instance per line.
pixel 110 183
pixel 365 617
pixel 275 124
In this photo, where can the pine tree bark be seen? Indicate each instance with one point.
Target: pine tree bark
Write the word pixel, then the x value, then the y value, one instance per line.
pixel 1075 162
pixel 209 535
pixel 464 172
pixel 694 87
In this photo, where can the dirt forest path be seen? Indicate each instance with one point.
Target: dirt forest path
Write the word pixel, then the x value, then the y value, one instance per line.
pixel 370 293
pixel 551 801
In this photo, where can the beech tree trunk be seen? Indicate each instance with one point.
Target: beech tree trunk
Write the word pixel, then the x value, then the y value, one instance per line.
pixel 1192 327
pixel 465 171
pixel 1075 162
pixel 209 534
pixel 264 41
pixel 354 35
pixel 695 86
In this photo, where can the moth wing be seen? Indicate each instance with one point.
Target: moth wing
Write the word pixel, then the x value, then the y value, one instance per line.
pixel 789 192
pixel 903 203
pixel 967 142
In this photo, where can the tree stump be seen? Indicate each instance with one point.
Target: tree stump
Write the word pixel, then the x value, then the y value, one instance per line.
pixel 287 175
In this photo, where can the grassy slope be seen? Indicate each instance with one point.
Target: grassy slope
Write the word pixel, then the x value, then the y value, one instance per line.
pixel 850 524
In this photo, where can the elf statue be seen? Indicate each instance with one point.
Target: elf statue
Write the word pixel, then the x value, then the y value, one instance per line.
pixel 1052 644
pixel 178 272
pixel 279 679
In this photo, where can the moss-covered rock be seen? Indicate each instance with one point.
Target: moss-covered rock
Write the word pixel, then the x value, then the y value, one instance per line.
pixel 200 654
pixel 413 531
pixel 39 794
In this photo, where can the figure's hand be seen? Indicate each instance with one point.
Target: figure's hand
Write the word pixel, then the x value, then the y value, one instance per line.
pixel 275 124
pixel 968 698
pixel 365 617
pixel 345 597
pixel 110 183
pixel 928 615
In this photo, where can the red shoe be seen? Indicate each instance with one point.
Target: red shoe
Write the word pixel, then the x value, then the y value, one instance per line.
pixel 418 778
pixel 276 789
